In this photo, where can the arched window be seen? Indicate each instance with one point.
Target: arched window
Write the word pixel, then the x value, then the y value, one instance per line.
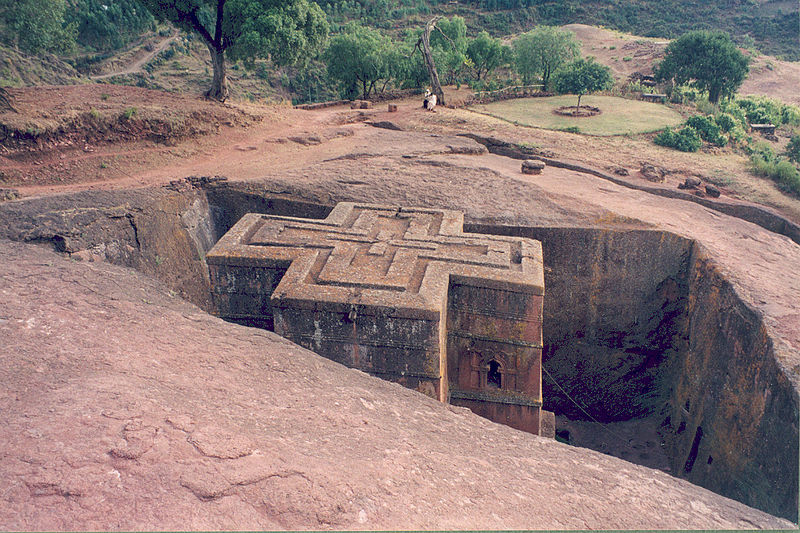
pixel 494 379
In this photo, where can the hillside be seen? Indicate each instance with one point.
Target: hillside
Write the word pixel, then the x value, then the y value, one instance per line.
pixel 625 54
pixel 768 25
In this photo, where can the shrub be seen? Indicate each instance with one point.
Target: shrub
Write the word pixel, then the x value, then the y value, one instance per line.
pixel 708 129
pixel 737 134
pixel 761 110
pixel 762 150
pixel 704 106
pixel 129 113
pixel 781 171
pixel 682 94
pixel 636 87
pixel 732 108
pixel 793 149
pixel 790 114
pixel 686 140
pixel 726 121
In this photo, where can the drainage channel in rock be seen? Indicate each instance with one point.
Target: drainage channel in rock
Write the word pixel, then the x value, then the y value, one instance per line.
pixel 649 353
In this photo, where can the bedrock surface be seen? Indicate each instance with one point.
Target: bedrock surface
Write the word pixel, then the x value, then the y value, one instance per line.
pixel 124 407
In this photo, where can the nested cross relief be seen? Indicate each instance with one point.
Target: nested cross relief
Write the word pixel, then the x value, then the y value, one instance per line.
pixel 384 249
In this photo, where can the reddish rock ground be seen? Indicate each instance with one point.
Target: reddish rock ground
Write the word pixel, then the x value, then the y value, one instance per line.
pixel 125 408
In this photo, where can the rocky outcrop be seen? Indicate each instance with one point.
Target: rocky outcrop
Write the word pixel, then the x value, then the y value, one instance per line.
pixel 638 324
pixel 124 407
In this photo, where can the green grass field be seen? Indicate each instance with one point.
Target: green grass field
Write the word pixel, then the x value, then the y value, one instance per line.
pixel 619 116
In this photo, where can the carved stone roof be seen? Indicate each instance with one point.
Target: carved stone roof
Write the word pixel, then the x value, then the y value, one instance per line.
pixel 382 259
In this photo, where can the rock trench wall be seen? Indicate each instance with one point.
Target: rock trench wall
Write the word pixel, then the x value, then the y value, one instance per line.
pixel 637 323
pixel 732 413
pixel 641 323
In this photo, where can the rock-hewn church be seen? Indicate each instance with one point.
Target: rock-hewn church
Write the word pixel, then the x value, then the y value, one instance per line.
pixel 401 293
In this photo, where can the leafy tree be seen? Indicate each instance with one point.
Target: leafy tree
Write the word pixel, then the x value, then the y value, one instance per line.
pixel 449 47
pixel 414 73
pixel 582 76
pixel 708 60
pixel 542 51
pixel 485 53
pixel 36 26
pixel 285 31
pixel 361 56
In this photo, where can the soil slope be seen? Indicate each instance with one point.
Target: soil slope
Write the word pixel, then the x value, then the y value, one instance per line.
pixel 179 420
pixel 626 54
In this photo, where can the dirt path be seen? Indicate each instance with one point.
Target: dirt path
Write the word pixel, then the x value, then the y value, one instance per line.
pixel 137 64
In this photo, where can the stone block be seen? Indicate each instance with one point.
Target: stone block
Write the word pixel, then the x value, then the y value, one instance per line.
pixel 392 108
pixel 547 424
pixel 532 166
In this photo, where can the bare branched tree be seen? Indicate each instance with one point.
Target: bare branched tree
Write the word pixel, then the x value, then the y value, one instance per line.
pixel 424 46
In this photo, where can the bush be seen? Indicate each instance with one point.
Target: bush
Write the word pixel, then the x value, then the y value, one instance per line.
pixel 761 110
pixel 681 94
pixel 726 121
pixel 780 171
pixel 790 114
pixel 762 150
pixel 738 135
pixel 708 129
pixel 793 149
pixel 732 108
pixel 685 140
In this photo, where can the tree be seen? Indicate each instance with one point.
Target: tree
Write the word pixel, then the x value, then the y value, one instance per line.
pixel 542 51
pixel 287 31
pixel 37 26
pixel 485 53
pixel 362 56
pixel 582 76
pixel 449 46
pixel 708 60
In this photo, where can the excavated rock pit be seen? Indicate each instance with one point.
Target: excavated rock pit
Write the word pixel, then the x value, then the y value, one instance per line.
pixel 640 328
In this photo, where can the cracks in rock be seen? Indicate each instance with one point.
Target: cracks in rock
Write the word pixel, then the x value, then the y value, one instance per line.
pixel 132 219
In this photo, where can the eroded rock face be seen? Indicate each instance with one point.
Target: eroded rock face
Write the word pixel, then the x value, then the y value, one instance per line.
pixel 642 324
pixel 124 407
pixel 732 413
pixel 637 296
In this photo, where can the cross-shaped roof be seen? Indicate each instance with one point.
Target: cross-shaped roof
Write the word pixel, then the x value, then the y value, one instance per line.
pixel 379 257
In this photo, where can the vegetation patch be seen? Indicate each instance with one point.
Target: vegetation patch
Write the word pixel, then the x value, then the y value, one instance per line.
pixel 572 111
pixel 766 163
pixel 619 116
